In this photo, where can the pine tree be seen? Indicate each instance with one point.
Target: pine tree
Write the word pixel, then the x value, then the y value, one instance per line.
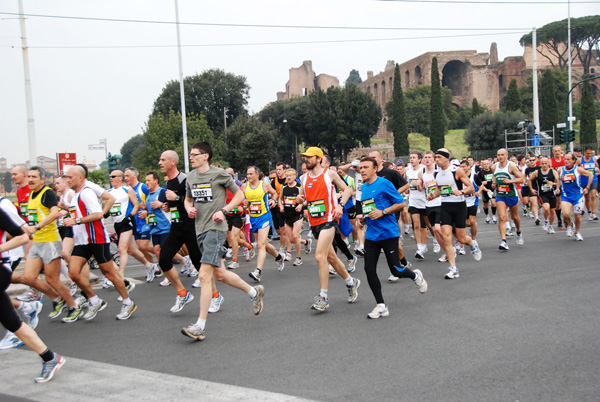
pixel 475 110
pixel 397 122
pixel 513 98
pixel 437 119
pixel 589 136
pixel 549 111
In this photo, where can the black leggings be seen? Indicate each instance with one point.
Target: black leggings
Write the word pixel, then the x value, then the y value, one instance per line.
pixel 178 235
pixel 341 244
pixel 8 315
pixel 390 250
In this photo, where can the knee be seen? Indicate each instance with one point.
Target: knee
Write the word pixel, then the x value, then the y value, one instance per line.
pixel 205 277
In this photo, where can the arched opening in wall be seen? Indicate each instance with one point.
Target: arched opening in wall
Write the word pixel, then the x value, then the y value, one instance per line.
pixel 407 79
pixel 391 83
pixel 418 75
pixel 383 93
pixel 375 91
pixel 454 77
pixel 304 91
pixel 595 92
pixel 501 91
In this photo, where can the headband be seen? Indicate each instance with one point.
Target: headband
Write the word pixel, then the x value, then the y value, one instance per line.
pixel 443 153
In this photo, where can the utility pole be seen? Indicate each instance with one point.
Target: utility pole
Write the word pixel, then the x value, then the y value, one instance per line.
pixel 28 96
pixel 536 106
pixel 186 158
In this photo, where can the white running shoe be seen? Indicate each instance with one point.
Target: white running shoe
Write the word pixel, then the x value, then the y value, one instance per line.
pixel 476 251
pixel 255 275
pixel 165 282
pixel 570 231
pixel 298 262
pixel 33 316
pixel 443 258
pixel 520 240
pixel 281 262
pixel 461 250
pixel 392 278
pixel 545 227
pixel 503 246
pixel 352 264
pixel 494 219
pixel 452 273
pixel 215 304
pixel 72 287
pixel 288 256
pixel 436 247
pixel 194 272
pixel 379 311
pixel 487 219
pixel 247 254
pixel 229 253
pixel 308 246
pixel 150 273
pixel 107 284
pixel 180 302
pixel 197 283
pixel 420 281
pixel 233 265
pixel 551 229
pixel 332 270
pixel 578 237
pixel 10 341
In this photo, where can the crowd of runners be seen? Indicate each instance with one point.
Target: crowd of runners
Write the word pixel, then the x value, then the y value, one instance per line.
pixel 202 219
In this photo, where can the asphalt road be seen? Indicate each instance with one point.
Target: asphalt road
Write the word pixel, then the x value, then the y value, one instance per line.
pixel 520 325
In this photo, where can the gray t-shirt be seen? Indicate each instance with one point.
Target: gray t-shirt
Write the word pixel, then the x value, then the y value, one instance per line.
pixel 209 191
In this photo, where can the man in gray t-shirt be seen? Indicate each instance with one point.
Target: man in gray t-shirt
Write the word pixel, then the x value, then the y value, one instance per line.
pixel 206 193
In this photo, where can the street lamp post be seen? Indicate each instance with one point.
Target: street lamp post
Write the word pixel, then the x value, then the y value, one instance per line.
pixel 569 119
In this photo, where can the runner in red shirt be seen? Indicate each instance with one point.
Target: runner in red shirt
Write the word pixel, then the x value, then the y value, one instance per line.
pixel 557 162
pixel 19 176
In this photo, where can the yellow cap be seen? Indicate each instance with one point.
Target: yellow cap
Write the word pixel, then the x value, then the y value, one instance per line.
pixel 313 151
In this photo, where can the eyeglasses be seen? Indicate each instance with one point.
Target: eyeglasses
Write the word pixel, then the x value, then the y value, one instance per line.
pixel 192 155
pixel 112 177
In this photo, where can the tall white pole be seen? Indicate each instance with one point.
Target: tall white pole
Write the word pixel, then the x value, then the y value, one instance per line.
pixel 186 158
pixel 536 106
pixel 28 96
pixel 570 84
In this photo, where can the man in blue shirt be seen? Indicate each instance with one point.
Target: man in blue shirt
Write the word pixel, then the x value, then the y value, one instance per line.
pixel 380 201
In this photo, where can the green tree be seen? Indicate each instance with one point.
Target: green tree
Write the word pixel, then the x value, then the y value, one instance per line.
pixel 206 94
pixel 486 131
pixel 552 39
pixel 354 77
pixel 135 144
pixel 100 177
pixel 588 117
pixel 513 97
pixel 418 107
pixel 549 110
pixel 396 111
pixel 249 142
pixel 163 133
pixel 475 111
pixel 7 181
pixel 585 35
pixel 437 120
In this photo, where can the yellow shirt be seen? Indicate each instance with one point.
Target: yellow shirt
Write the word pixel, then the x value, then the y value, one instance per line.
pixel 37 212
pixel 256 200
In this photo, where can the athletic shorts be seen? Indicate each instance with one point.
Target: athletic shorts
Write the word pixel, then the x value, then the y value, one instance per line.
pixel 211 247
pixel 454 214
pixel 433 214
pixel 422 213
pixel 509 201
pixel 142 233
pixel 316 230
pixel 234 221
pixel 125 225
pixel 351 212
pixel 358 206
pixel 485 197
pixel 65 232
pixel 101 252
pixel 48 251
pixel 472 211
pixel 277 219
pixel 594 186
pixel 159 238
pixel 260 222
pixel 525 191
pixel 578 205
pixel 548 199
pixel 290 220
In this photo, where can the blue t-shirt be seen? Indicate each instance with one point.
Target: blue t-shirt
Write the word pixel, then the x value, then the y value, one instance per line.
pixel 158 221
pixel 380 194
pixel 141 190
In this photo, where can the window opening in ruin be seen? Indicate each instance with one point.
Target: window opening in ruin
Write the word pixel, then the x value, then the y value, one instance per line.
pixel 453 77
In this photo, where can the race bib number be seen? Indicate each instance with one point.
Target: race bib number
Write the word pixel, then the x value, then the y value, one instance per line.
pixel 289 202
pixel 546 188
pixel 445 191
pixel 115 210
pixel 32 217
pixel 23 208
pixel 503 189
pixel 174 214
pixel 368 206
pixel 234 210
pixel 431 186
pixel 255 207
pixel 413 183
pixel 568 178
pixel 488 177
pixel 202 192
pixel 73 212
pixel 316 209
pixel 60 223
pixel 151 219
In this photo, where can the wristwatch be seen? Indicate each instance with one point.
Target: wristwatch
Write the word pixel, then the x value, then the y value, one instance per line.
pixel 78 221
pixel 177 198
pixel 384 211
pixel 342 203
pixel 224 211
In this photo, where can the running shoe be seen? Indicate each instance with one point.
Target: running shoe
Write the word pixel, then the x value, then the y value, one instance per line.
pixel 392 278
pixel 595 217
pixel 229 253
pixel 187 264
pixel 255 275
pixel 332 270
pixel 10 341
pixel 525 213
pixel 424 249
pixel 379 311
pixel 107 284
pixel 503 246
pixel 320 304
pixel 578 237
pixel 353 290
pixel 165 282
pixel 408 265
pixel 308 246
pixel 58 309
pixel 298 262
pixel 436 247
pixel 288 256
pixel 550 230
pixel 129 289
pixel 247 254
pixel 233 265
pixel 281 262
pixel 180 302
pixel 73 314
pixel 546 225
pixel 487 219
pixel 94 309
pixel 443 258
pixel 461 250
pixel 510 231
pixel 494 219
pixel 215 304
pixel 126 311
pixel 531 215
pixel 257 302
pixel 50 368
pixel 420 281
pixel 419 255
pixel 569 230
pixel 81 300
pixel 352 264
pixel 537 221
pixel 520 240
pixel 185 268
pixel 34 315
pixel 560 225
pixel 476 251
pixel 452 273
pixel 590 217
pixel 360 252
pixel 193 273
pixel 72 287
pixel 197 283
pixel 406 229
pixel 30 295
pixel 194 331
pixel 150 273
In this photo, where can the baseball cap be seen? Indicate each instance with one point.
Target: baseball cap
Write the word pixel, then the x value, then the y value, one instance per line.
pixel 355 163
pixel 313 151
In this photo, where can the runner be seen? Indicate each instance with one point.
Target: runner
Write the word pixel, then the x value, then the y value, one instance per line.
pixel 472 200
pixel 588 163
pixel 235 228
pixel 142 229
pixel 506 175
pixel 558 160
pixel 91 239
pixel 205 202
pixel 486 176
pixel 433 203
pixel 260 198
pixel 323 208
pixel 572 199
pixel 380 201
pixel 418 199
pixel 543 183
pixel 526 195
pixel 293 215
pixel 277 220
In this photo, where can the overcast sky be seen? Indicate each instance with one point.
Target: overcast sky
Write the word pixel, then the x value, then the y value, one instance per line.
pixel 98 79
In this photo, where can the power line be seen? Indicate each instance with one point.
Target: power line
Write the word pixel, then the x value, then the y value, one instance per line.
pixel 273 43
pixel 262 25
pixel 493 2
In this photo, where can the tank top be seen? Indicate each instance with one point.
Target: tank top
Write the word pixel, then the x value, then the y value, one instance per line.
pixel 570 184
pixel 471 199
pixel 504 190
pixel 122 205
pixel 320 196
pixel 37 212
pixel 288 195
pixel 542 182
pixel 417 198
pixel 447 183
pixel 257 200
pixel 430 186
pixel 590 167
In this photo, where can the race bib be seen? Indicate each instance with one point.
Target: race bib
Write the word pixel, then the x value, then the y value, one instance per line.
pixel 151 219
pixel 316 209
pixel 255 207
pixel 289 202
pixel 115 209
pixel 431 186
pixel 413 183
pixel 23 208
pixel 568 178
pixel 174 214
pixel 488 177
pixel 73 212
pixel 546 188
pixel 202 192
pixel 445 191
pixel 368 206
pixel 503 189
pixel 32 217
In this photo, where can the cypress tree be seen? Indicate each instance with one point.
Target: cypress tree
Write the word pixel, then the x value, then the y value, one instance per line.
pixel 437 119
pixel 396 111
pixel 549 112
pixel 587 125
pixel 475 111
pixel 513 98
